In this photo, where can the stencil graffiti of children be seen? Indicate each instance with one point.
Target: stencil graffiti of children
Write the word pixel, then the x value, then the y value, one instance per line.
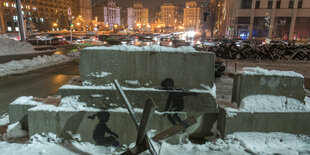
pixel 175 101
pixel 102 128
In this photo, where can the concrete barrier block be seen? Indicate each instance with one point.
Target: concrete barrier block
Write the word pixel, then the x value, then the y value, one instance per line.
pixel 102 127
pixel 146 68
pixel 246 84
pixel 288 122
pixel 107 97
pixel 18 110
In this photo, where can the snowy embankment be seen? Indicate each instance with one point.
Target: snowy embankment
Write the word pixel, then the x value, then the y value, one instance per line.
pixel 25 65
pixel 10 46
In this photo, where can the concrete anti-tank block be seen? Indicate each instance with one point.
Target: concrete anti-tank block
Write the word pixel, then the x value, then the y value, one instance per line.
pixel 107 127
pixel 102 97
pixel 245 85
pixel 18 110
pixel 188 70
pixel 288 122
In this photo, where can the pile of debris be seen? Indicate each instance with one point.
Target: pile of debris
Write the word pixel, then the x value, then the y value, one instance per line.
pixel 258 52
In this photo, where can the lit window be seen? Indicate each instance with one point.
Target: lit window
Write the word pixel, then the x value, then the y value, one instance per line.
pixel 7 4
pixel 16 28
pixel 15 18
pixel 42 20
pixel 9 28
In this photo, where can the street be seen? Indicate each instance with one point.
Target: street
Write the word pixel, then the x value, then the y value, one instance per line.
pixel 40 83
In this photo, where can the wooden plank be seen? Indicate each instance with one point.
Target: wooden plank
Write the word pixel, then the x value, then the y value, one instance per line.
pixel 173 130
pixel 127 103
pixel 142 138
pixel 163 135
pixel 148 112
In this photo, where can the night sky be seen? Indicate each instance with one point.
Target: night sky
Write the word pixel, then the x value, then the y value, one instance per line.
pixel 148 3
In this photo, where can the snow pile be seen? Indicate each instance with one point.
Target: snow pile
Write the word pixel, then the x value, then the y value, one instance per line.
pixel 69 103
pixel 245 143
pixel 261 71
pixel 99 75
pixel 10 46
pixel 4 119
pixel 154 48
pixel 270 103
pixel 21 66
pixel 25 100
pixel 15 131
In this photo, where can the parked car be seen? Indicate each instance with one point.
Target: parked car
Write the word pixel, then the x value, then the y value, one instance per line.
pixel 127 41
pixel 145 41
pixel 179 42
pixel 59 41
pixel 165 42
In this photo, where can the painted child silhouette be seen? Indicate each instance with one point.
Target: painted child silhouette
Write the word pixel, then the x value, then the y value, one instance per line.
pixel 102 128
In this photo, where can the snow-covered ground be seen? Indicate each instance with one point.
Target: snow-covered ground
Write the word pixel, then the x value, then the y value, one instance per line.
pixel 26 65
pixel 240 143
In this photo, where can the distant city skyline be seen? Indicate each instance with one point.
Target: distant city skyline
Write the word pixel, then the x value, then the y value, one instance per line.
pixel 147 3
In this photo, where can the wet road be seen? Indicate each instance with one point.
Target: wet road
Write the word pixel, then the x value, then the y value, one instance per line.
pixel 40 83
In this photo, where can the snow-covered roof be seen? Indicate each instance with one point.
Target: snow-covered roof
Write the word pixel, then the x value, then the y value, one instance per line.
pixel 261 71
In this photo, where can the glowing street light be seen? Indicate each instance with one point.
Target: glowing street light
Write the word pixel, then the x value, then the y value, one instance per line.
pixel 55 24
pixel 78 24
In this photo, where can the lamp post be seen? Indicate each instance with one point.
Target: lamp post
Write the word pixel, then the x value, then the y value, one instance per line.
pixel 21 25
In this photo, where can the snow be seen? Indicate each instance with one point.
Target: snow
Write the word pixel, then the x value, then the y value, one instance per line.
pixel 139 110
pixel 243 143
pixel 10 46
pixel 25 100
pixel 154 48
pixel 239 143
pixel 69 104
pixel 110 86
pixel 98 75
pixel 270 103
pixel 96 95
pixel 15 131
pixel 132 82
pixel 25 65
pixel 4 119
pixel 261 71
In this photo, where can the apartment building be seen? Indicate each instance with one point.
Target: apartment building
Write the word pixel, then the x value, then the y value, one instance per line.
pixel 169 14
pixel 276 19
pixel 192 15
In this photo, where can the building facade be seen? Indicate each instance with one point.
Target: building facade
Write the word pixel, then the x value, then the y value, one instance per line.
pixel 169 14
pixel 138 16
pixel 130 18
pixel 83 9
pixel 42 15
pixel 276 19
pixel 192 15
pixel 2 28
pixel 141 15
pixel 112 15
